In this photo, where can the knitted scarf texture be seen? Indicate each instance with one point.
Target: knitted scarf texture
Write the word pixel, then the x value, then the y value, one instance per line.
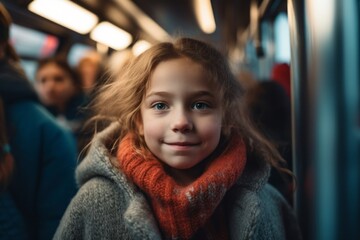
pixel 182 211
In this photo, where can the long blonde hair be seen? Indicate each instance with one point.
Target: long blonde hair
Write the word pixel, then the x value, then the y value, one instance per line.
pixel 120 100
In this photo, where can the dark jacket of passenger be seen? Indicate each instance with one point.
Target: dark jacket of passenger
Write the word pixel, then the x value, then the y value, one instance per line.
pixel 43 182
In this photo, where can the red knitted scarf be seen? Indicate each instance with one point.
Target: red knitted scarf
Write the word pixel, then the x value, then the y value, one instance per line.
pixel 182 211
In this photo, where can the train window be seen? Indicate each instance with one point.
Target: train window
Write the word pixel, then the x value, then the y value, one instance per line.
pixel 282 38
pixel 32 44
pixel 77 51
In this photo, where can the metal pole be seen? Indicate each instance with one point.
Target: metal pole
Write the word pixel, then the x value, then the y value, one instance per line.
pixel 325 61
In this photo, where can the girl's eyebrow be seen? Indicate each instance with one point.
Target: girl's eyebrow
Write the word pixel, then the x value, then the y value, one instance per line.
pixel 161 94
pixel 193 94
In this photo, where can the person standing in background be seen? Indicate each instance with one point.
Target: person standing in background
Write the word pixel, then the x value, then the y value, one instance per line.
pixel 59 89
pixel 37 156
pixel 269 107
pixel 90 69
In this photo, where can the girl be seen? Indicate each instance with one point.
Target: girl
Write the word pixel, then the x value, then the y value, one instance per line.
pixel 180 161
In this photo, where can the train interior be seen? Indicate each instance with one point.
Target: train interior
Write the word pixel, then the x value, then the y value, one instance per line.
pixel 239 27
pixel 318 39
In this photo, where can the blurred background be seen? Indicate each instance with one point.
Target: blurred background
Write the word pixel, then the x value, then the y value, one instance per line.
pixel 244 30
pixel 309 47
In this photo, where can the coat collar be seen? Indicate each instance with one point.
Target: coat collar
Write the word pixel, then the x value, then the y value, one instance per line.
pixel 242 199
pixel 99 162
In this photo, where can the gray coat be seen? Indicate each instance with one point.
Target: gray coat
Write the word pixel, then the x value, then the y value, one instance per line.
pixel 108 206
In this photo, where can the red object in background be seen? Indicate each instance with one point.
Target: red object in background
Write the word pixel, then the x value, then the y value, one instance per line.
pixel 281 74
pixel 49 47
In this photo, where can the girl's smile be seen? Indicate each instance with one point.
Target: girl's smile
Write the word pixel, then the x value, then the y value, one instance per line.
pixel 182 147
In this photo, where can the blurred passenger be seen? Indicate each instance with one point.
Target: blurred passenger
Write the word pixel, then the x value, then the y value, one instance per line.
pixel 59 89
pixel 246 79
pixel 91 71
pixel 115 66
pixel 269 106
pixel 37 156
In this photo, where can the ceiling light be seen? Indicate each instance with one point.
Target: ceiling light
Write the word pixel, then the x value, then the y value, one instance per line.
pixel 205 16
pixel 140 46
pixel 145 22
pixel 65 13
pixel 111 35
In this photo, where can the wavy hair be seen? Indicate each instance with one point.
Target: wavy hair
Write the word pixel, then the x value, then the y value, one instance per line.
pixel 121 98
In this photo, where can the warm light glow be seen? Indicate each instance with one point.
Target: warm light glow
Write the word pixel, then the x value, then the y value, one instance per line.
pixel 152 28
pixel 110 35
pixel 65 13
pixel 205 16
pixel 140 46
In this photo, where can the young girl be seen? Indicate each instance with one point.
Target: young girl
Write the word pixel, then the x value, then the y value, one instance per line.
pixel 180 161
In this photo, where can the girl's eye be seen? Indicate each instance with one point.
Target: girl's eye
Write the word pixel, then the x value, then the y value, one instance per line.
pixel 200 105
pixel 159 106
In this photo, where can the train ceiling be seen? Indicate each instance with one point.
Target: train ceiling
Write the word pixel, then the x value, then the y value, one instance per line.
pixel 176 17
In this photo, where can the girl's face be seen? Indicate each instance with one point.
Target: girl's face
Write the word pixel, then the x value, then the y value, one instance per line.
pixel 181 114
pixel 54 86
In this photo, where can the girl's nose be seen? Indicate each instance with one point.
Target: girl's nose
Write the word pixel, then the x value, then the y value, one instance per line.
pixel 182 122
